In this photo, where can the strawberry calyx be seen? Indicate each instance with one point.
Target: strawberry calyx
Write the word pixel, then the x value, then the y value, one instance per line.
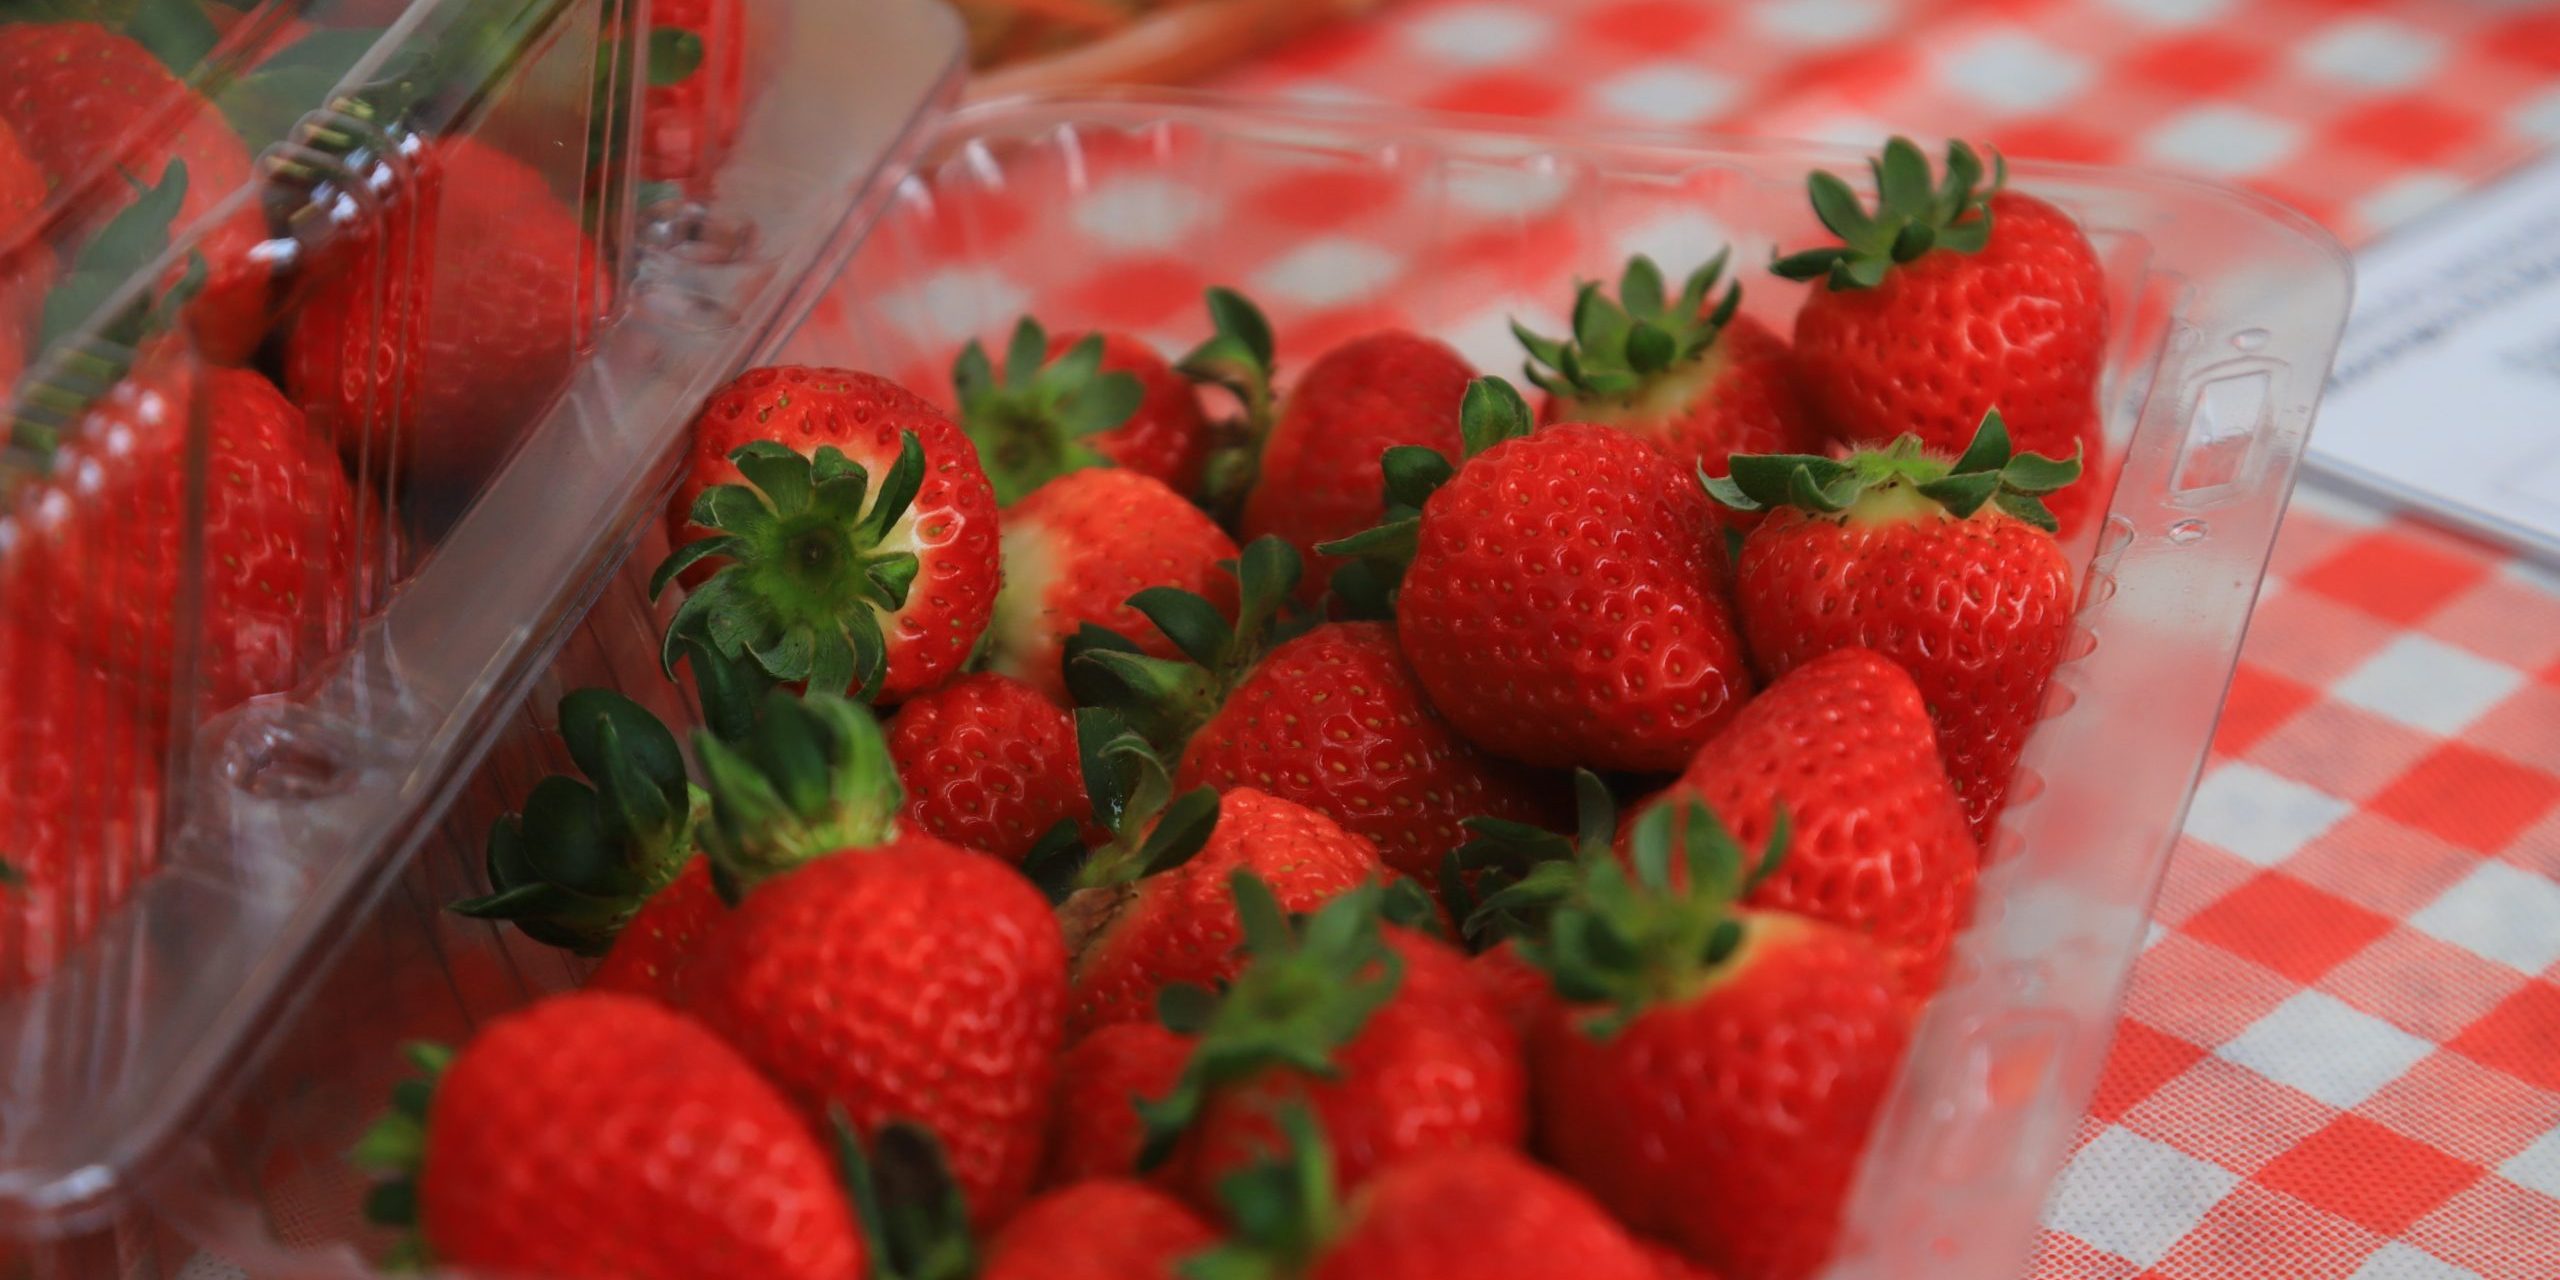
pixel 911 1211
pixel 815 559
pixel 1624 349
pixel 1913 215
pixel 1508 878
pixel 1151 829
pixel 812 778
pixel 1238 356
pixel 1902 480
pixel 578 862
pixel 1655 928
pixel 1286 1209
pixel 394 1147
pixel 130 242
pixel 1031 422
pixel 1307 988
pixel 1365 588
pixel 1166 700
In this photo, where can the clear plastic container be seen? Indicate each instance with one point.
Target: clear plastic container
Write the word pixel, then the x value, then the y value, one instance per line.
pixel 1113 210
pixel 305 492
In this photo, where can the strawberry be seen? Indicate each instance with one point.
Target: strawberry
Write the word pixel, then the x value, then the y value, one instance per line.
pixel 1514 985
pixel 1110 1230
pixel 988 764
pixel 595 1135
pixel 1710 1073
pixel 98 111
pixel 1482 1212
pixel 1382 1031
pixel 1101 1079
pixel 445 325
pixel 1152 907
pixel 1077 550
pixel 1309 473
pixel 1072 402
pixel 1561 595
pixel 697 92
pixel 828 578
pixel 1696 379
pixel 1840 752
pixel 268 562
pixel 1946 303
pixel 848 979
pixel 652 953
pixel 1671 1264
pixel 26 265
pixel 79 801
pixel 1949 569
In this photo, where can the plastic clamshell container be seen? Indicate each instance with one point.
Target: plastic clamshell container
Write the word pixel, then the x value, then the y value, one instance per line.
pixel 1114 211
pixel 231 770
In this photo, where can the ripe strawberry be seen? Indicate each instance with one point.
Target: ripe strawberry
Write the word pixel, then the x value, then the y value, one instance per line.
pixel 1701 382
pixel 79 800
pixel 98 110
pixel 1946 303
pixel 1072 402
pixel 1949 569
pixel 652 953
pixel 988 764
pixel 697 92
pixel 1077 550
pixel 1561 593
pixel 269 560
pixel 848 980
pixel 26 264
pixel 1309 475
pixel 1383 1032
pixel 437 335
pixel 1711 1073
pixel 1482 1212
pixel 1097 1132
pixel 1331 719
pixel 1671 1264
pixel 1841 753
pixel 603 1136
pixel 1109 1230
pixel 830 578
pixel 1152 908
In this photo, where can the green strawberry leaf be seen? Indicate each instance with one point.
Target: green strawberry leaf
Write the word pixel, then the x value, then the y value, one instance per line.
pixel 674 54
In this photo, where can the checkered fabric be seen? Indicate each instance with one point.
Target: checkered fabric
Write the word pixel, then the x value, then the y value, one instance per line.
pixel 2341 1052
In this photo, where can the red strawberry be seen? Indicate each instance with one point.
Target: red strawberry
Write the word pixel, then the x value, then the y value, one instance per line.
pixel 596 1136
pixel 26 264
pixel 1699 381
pixel 1097 1132
pixel 1672 1264
pixel 849 981
pixel 1562 600
pixel 653 951
pixel 1482 1212
pixel 1332 719
pixel 1311 474
pixel 1878 843
pixel 1098 1231
pixel 97 109
pixel 987 764
pixel 1072 402
pixel 857 530
pixel 1711 1074
pixel 273 576
pixel 79 800
pixel 450 321
pixel 1148 913
pixel 1946 303
pixel 1949 569
pixel 1382 1032
pixel 1077 550
pixel 697 93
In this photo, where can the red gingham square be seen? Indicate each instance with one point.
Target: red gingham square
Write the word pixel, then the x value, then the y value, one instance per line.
pixel 2260 703
pixel 2519 1036
pixel 2141 1061
pixel 2287 925
pixel 2368 1174
pixel 2393 574
pixel 2471 797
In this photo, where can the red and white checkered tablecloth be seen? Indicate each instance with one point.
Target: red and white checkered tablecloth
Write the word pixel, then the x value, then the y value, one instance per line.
pixel 2341 1054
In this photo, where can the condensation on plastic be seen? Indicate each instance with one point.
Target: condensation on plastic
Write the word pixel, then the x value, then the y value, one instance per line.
pixel 1339 220
pixel 290 845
